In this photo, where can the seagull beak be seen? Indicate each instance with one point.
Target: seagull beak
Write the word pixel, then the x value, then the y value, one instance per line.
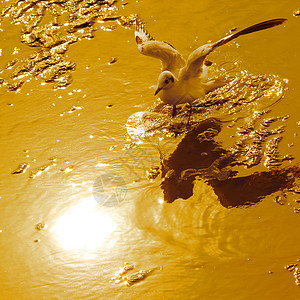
pixel 157 91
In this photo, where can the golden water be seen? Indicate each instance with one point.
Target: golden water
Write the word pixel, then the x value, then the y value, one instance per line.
pixel 59 240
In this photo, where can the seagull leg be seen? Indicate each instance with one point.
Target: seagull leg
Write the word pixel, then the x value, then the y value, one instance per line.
pixel 190 113
pixel 174 110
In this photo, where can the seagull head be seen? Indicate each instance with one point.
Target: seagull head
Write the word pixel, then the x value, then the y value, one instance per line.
pixel 165 81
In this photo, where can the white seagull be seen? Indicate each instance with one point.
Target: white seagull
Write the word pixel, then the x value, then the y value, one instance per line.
pixel 183 81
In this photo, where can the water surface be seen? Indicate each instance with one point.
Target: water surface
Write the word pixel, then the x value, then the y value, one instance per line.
pixel 77 201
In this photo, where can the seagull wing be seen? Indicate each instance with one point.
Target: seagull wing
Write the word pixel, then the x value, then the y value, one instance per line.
pixel 171 59
pixel 194 65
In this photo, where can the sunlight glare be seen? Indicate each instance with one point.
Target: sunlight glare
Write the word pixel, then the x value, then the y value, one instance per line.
pixel 83 227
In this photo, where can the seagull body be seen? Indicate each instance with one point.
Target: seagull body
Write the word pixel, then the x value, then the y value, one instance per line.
pixel 177 90
pixel 183 81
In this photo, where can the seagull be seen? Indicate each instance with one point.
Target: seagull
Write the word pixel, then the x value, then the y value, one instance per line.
pixel 183 81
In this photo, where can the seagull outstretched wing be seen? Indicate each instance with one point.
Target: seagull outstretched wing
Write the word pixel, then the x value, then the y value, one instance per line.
pixel 171 59
pixel 194 64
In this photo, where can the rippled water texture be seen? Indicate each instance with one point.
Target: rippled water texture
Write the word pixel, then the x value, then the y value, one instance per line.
pixel 104 196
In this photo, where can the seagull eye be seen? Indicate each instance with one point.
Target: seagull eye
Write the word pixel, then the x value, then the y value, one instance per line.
pixel 167 81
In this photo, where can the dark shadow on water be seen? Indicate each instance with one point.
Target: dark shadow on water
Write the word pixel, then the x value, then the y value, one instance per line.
pixel 251 189
pixel 199 155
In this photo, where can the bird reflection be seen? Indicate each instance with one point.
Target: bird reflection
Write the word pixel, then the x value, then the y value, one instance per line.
pixel 83 226
pixel 199 155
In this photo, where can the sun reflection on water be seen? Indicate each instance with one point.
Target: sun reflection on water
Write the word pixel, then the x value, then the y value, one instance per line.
pixel 83 226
